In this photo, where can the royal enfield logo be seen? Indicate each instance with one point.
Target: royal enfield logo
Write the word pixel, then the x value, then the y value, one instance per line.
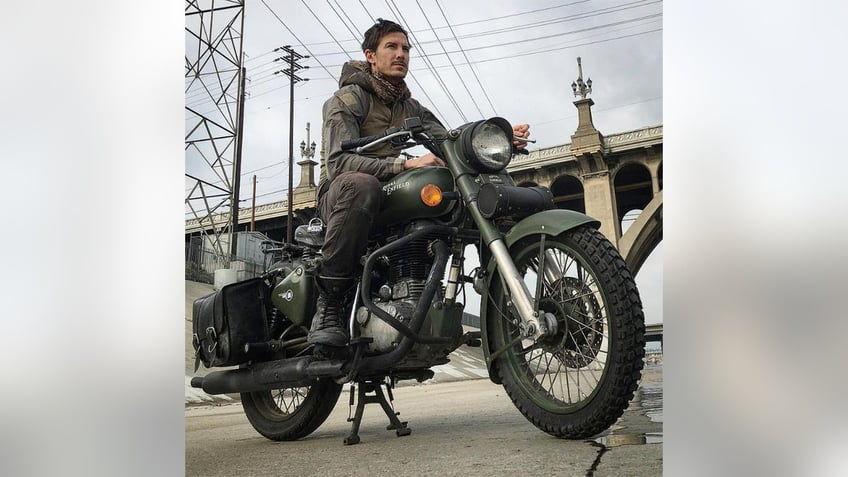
pixel 393 186
pixel 287 295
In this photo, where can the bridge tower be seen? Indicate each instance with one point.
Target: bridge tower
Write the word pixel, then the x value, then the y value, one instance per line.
pixel 587 145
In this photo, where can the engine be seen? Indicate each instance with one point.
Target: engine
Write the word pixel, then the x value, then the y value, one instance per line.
pixel 405 273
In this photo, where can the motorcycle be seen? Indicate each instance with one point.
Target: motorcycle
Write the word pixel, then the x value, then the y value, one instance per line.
pixel 561 321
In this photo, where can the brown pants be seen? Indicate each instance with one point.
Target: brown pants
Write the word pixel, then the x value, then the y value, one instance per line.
pixel 347 208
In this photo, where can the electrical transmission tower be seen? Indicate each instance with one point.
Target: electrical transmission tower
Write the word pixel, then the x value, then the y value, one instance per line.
pixel 214 96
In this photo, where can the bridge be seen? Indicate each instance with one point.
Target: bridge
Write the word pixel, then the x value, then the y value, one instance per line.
pixel 606 177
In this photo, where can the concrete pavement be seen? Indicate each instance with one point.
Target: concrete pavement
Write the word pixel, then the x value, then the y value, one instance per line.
pixel 458 428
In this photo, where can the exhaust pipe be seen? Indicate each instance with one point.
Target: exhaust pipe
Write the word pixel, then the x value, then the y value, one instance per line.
pixel 287 372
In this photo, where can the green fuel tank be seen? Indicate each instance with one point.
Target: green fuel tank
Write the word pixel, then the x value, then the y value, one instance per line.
pixel 402 195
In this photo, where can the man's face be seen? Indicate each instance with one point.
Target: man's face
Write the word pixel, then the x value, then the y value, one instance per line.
pixel 392 56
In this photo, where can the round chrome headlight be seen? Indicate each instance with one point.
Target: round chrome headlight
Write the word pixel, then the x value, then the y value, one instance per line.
pixel 488 144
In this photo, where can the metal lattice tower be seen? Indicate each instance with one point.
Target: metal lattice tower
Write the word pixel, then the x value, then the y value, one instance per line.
pixel 214 81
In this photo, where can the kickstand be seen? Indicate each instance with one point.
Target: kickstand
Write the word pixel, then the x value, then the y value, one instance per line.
pixel 379 398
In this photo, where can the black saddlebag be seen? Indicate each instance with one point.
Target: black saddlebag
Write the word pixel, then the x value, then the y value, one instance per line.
pixel 225 321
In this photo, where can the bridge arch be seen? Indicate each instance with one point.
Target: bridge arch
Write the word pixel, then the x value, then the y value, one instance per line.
pixel 644 235
pixel 568 193
pixel 633 187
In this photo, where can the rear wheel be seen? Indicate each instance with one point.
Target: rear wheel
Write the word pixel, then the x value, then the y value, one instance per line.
pixel 576 382
pixel 291 413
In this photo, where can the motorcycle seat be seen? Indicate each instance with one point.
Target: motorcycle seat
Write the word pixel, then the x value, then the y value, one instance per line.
pixel 311 234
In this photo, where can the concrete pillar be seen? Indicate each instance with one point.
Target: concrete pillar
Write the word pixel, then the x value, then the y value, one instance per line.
pixel 655 180
pixel 586 139
pixel 307 173
pixel 599 196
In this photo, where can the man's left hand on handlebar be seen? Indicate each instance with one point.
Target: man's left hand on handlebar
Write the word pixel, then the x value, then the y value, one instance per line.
pixel 428 159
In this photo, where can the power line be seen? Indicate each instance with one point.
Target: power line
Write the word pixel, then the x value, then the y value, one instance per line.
pixel 531 25
pixel 296 38
pixel 545 37
pixel 486 20
pixel 568 18
pixel 548 50
pixel 572 32
pixel 473 71
pixel 427 61
pixel 325 28
pixel 494 59
pixel 461 80
pixel 520 13
pixel 347 23
pixel 570 46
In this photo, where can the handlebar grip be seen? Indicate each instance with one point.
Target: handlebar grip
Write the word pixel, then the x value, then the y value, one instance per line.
pixel 354 143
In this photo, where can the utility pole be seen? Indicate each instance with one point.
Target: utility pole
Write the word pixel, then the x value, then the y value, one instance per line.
pixel 237 167
pixel 293 78
pixel 253 207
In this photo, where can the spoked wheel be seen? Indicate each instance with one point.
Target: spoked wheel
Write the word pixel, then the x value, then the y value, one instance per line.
pixel 291 413
pixel 577 381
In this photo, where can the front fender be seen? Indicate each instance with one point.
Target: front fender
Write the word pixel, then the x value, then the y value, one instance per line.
pixel 549 222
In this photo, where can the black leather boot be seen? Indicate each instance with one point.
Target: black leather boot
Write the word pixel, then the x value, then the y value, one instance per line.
pixel 329 323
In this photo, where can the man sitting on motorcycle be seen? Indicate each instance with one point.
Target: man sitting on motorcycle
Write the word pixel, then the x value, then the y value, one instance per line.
pixel 372 97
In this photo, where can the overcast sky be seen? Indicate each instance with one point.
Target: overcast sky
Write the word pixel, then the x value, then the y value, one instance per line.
pixel 523 59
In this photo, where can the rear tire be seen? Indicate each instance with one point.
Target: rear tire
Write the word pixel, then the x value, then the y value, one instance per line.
pixel 291 413
pixel 576 383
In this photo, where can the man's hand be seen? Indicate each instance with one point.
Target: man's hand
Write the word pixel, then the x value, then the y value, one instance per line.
pixel 520 130
pixel 428 159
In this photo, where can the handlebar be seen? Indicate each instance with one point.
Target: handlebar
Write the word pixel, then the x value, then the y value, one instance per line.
pixel 348 144
pixel 411 127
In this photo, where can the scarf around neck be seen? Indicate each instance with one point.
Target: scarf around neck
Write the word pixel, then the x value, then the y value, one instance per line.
pixel 360 72
pixel 388 91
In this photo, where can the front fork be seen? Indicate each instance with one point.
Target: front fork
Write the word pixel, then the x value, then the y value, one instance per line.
pixel 533 324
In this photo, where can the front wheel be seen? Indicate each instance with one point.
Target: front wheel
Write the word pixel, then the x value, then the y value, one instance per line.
pixel 576 382
pixel 290 413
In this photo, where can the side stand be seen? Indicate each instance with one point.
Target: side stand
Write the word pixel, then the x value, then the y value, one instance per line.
pixel 378 398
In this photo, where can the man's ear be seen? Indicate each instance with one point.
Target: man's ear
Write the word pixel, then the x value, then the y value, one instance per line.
pixel 369 56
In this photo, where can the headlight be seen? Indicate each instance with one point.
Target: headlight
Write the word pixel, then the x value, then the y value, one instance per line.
pixel 488 144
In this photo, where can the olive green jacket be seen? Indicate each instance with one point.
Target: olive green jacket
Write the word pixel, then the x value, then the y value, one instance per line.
pixel 355 111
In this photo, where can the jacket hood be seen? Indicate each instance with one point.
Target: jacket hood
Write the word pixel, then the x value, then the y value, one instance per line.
pixel 357 72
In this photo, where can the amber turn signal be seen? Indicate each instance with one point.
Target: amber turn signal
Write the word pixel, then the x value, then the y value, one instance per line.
pixel 431 195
